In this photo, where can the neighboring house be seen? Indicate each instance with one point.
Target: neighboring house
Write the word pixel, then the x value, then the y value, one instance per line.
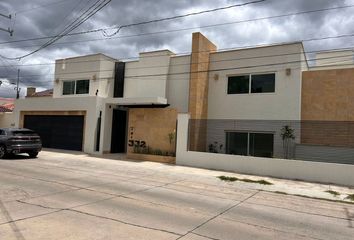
pixel 31 92
pixel 4 109
pixel 238 100
pixel 7 103
pixel 6 115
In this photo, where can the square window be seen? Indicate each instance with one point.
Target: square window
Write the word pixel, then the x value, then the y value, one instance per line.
pixel 68 87
pixel 82 86
pixel 238 85
pixel 263 83
pixel 237 143
pixel 261 144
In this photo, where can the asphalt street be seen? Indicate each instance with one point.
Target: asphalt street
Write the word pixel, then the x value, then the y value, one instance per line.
pixel 73 196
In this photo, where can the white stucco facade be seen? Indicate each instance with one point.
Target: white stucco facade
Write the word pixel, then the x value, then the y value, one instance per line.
pixel 148 76
pixel 162 88
pixel 89 105
pixel 334 60
pixel 97 68
pixel 161 78
pixel 178 83
pixel 283 104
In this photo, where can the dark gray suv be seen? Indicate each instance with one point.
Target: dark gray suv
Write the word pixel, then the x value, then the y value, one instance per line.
pixel 19 140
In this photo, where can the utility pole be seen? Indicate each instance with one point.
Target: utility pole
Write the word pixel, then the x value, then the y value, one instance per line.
pixel 9 30
pixel 6 16
pixel 18 84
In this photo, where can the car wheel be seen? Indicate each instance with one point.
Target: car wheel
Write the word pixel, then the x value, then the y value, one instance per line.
pixel 33 154
pixel 2 151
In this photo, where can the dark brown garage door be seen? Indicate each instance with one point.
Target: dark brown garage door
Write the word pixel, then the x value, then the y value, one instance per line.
pixel 60 132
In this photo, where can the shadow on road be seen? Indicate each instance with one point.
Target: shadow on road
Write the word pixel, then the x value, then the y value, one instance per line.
pixel 16 157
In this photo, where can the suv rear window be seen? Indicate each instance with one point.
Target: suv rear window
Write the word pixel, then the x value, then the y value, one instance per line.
pixel 19 133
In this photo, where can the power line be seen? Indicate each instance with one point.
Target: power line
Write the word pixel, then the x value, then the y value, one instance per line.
pixel 213 70
pixel 134 24
pixel 178 16
pixel 93 9
pixel 71 11
pixel 220 50
pixel 186 79
pixel 175 30
pixel 313 39
pixel 187 64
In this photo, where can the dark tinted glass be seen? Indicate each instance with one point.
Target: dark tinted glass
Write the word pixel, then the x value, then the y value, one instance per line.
pixel 263 83
pixel 21 132
pixel 82 86
pixel 236 143
pixel 238 85
pixel 261 144
pixel 68 87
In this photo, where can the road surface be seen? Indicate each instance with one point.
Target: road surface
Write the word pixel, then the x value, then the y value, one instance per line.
pixel 73 196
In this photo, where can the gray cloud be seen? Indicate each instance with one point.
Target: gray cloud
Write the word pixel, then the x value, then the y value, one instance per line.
pixel 51 19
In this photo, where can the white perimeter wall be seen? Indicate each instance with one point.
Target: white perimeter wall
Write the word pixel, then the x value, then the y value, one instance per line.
pixel 284 104
pixel 290 169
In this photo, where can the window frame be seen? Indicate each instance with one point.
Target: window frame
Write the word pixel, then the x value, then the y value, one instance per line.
pixel 249 138
pixel 66 81
pixel 88 90
pixel 234 76
pixel 250 83
pixel 75 87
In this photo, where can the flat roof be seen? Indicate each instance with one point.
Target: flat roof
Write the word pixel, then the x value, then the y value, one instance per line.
pixel 157 51
pixel 260 46
pixel 89 55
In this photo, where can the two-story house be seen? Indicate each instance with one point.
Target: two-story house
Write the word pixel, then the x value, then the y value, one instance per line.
pixel 239 99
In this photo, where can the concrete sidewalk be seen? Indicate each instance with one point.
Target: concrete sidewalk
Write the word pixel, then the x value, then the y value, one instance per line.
pixel 280 186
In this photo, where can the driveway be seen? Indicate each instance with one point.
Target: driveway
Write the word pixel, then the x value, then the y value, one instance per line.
pixel 74 196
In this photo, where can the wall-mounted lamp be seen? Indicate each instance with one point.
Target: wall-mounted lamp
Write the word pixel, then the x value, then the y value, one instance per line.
pixel 288 71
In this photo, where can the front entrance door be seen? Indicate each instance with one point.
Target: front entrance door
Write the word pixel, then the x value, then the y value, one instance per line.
pixel 119 124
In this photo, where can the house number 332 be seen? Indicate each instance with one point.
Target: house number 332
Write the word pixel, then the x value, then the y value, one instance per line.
pixel 136 143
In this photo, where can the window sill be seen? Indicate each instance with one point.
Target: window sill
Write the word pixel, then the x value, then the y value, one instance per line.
pixel 76 95
pixel 253 94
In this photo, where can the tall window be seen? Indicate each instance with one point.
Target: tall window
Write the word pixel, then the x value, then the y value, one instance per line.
pixel 76 87
pixel 253 83
pixel 250 144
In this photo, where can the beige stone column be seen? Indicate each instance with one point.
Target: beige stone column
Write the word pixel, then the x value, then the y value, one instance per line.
pixel 198 90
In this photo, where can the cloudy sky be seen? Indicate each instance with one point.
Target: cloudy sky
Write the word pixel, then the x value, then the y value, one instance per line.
pixel 38 18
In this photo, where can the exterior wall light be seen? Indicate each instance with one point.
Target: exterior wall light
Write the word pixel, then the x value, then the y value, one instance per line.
pixel 288 71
